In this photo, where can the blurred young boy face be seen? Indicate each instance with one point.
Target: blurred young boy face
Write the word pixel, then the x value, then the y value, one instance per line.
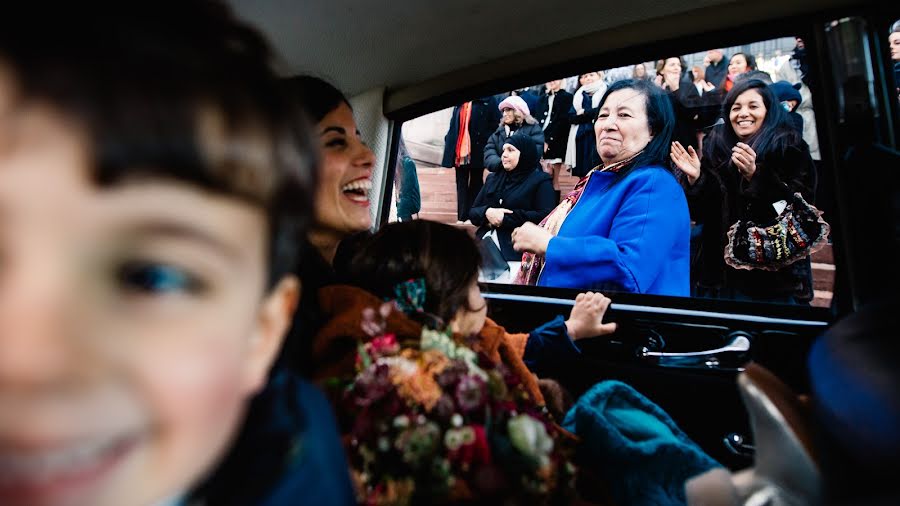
pixel 134 323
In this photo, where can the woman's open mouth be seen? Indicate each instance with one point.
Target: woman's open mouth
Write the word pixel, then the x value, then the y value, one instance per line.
pixel 358 191
pixel 48 475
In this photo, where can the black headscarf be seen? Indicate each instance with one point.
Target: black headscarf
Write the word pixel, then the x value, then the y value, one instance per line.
pixel 528 158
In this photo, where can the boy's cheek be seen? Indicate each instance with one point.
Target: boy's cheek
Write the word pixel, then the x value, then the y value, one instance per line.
pixel 192 392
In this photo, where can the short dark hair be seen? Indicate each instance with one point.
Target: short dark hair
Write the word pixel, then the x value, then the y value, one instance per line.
pixel 774 135
pixel 145 82
pixel 660 119
pixel 317 96
pixel 445 256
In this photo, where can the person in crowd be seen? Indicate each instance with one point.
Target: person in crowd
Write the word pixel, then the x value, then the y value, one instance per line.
pixel 471 124
pixel 516 118
pixel 520 193
pixel 625 227
pixel 749 163
pixel 894 40
pixel 639 72
pixel 700 82
pixel 717 68
pixel 799 56
pixel 341 214
pixel 531 96
pixel 145 295
pixel 406 183
pixel 788 96
pixel 553 115
pixel 740 63
pixel 692 107
pixel 581 152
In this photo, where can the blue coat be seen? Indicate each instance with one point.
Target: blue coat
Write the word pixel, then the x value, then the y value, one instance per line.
pixel 633 236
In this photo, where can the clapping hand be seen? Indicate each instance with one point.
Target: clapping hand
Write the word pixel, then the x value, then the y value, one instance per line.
pixel 744 158
pixel 686 160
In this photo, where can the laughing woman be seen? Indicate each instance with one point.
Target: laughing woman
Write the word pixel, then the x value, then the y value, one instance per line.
pixel 341 202
pixel 754 159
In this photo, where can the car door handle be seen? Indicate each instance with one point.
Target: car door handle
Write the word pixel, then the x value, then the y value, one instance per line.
pixel 707 359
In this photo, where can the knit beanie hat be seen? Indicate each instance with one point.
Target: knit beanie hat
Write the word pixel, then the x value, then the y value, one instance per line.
pixel 517 103
pixel 784 90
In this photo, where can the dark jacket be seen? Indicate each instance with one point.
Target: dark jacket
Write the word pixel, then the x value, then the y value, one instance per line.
pixel 525 190
pixel 482 123
pixel 288 447
pixel 556 135
pixel 693 112
pixel 715 72
pixel 586 156
pixel 720 197
pixel 494 147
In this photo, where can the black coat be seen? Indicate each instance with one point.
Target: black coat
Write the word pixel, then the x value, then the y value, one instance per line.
pixel 715 73
pixel 721 196
pixel 586 156
pixel 494 147
pixel 482 123
pixel 528 194
pixel 556 135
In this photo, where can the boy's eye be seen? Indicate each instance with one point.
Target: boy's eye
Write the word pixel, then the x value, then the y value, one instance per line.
pixel 155 278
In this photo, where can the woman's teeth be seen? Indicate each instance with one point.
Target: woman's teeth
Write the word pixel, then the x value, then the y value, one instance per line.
pixel 358 191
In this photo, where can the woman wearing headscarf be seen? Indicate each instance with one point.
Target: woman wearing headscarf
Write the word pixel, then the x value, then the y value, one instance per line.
pixel 519 193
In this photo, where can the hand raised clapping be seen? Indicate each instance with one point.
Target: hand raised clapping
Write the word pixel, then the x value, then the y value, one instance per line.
pixel 686 160
pixel 744 158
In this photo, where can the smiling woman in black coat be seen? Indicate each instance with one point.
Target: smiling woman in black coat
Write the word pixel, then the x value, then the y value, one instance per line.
pixel 520 192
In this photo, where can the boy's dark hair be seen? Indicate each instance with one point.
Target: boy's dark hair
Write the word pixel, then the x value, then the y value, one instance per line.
pixel 184 92
pixel 660 119
pixel 445 256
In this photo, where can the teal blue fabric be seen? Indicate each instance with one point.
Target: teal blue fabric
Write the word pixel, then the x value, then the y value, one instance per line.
pixel 630 441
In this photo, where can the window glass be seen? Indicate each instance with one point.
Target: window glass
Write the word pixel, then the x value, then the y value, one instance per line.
pixel 637 192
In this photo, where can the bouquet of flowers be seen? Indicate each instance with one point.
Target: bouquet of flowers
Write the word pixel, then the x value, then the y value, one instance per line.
pixel 436 422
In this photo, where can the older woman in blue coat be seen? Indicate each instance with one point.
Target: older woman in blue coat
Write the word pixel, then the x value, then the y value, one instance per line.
pixel 626 226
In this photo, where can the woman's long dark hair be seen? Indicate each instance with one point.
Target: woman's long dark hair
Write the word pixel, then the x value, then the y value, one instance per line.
pixel 445 256
pixel 660 119
pixel 317 96
pixel 774 136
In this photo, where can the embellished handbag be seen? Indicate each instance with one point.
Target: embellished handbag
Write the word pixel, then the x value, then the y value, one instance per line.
pixel 797 232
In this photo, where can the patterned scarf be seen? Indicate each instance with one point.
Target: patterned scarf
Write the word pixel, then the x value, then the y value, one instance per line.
pixel 532 264
pixel 463 140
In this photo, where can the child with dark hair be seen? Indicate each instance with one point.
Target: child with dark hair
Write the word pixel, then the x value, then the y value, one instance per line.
pixel 447 260
pixel 154 185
